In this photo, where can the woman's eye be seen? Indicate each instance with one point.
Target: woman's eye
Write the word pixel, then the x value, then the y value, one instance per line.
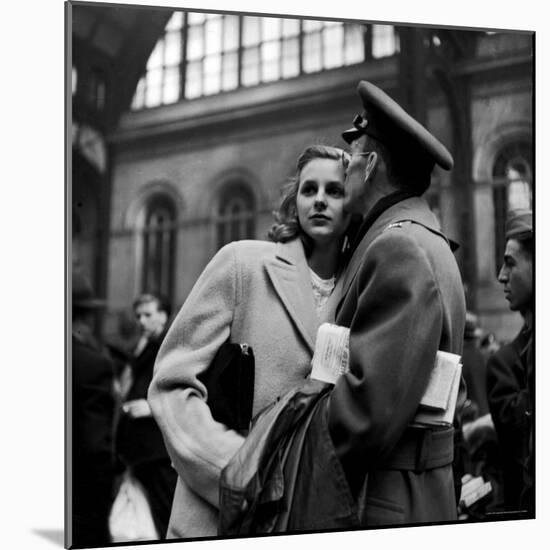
pixel 308 190
pixel 336 191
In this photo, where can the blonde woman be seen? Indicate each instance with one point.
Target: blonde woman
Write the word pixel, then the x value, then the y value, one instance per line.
pixel 269 295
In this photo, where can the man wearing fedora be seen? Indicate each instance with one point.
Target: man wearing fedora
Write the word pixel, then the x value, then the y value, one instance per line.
pixel 511 369
pixel 402 298
pixel 92 408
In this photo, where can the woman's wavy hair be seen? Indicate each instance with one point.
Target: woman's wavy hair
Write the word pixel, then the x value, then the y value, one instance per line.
pixel 287 225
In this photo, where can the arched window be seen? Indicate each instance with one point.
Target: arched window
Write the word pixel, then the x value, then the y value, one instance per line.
pixel 159 245
pixel 202 54
pixel 512 188
pixel 235 219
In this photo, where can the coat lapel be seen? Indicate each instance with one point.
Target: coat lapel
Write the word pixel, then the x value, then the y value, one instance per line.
pixel 290 276
pixel 410 209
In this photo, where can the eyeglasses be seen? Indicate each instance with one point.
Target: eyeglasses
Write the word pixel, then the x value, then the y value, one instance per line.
pixel 346 157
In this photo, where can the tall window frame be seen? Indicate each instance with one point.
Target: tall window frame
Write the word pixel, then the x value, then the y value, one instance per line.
pixel 203 54
pixel 158 235
pixel 162 82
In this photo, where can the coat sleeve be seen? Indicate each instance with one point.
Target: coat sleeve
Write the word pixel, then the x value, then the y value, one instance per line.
pixel 95 403
pixel 394 336
pixel 199 446
pixel 508 401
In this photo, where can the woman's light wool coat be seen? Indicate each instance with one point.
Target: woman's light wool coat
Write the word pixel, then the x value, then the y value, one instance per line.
pixel 252 292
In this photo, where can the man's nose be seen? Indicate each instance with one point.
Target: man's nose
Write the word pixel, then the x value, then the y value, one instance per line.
pixel 502 275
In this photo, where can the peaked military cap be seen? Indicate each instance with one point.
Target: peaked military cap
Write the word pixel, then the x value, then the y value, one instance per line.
pixel 386 121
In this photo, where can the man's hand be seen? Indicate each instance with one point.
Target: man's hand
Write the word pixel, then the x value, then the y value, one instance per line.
pixel 358 172
pixel 484 422
pixel 137 408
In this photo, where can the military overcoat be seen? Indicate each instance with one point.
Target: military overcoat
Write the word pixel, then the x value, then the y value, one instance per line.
pixel 402 298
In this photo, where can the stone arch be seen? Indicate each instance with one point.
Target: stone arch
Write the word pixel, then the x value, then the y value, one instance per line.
pixel 136 221
pixel 486 154
pixel 136 208
pixel 245 183
pixel 238 176
pixel 490 197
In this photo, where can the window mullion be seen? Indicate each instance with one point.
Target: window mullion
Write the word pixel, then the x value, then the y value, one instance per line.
pixel 145 267
pixel 281 77
pixel 223 53
pixel 322 44
pixel 367 41
pixel 301 47
pixel 260 52
pixel 203 58
pixel 240 54
pixel 183 63
pixel 163 69
pixel 165 258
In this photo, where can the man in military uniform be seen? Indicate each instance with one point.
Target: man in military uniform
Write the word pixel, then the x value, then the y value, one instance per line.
pixel 402 298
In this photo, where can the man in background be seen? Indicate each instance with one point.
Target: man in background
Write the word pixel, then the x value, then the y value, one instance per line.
pixel 139 441
pixel 511 369
pixel 93 408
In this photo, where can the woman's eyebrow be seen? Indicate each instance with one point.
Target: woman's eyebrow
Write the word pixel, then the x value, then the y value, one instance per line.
pixel 335 182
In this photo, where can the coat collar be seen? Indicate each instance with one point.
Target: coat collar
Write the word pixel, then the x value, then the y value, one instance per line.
pixel 289 273
pixel 414 208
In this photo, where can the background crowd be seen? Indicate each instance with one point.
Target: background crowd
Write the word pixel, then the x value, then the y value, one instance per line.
pixel 113 430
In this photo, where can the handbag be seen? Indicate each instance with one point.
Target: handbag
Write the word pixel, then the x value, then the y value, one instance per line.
pixel 130 517
pixel 229 381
